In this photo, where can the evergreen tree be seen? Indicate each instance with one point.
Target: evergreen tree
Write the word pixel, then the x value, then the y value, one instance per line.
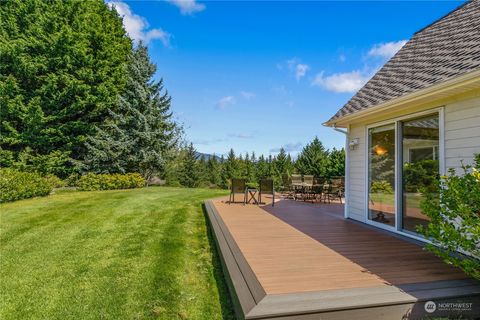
pixel 336 163
pixel 62 68
pixel 282 166
pixel 313 159
pixel 188 175
pixel 249 173
pixel 141 135
pixel 213 171
pixel 229 169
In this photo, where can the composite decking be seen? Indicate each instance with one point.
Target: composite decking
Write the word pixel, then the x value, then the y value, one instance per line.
pixel 305 261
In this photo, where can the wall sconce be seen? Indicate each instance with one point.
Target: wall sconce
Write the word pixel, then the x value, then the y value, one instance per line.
pixel 353 143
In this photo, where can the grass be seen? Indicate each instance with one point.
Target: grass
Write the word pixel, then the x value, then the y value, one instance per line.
pixel 126 254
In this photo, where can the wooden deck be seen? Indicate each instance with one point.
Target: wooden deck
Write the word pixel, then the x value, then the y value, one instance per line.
pixel 299 260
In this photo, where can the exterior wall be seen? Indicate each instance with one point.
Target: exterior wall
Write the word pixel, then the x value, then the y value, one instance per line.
pixel 462 132
pixel 356 174
pixel 462 140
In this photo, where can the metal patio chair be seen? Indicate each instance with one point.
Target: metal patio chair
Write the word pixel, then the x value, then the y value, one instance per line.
pixel 238 186
pixel 266 187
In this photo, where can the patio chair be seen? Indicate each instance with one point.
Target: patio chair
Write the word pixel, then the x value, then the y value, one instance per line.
pixel 307 186
pixel 318 187
pixel 266 187
pixel 297 184
pixel 238 186
pixel 336 189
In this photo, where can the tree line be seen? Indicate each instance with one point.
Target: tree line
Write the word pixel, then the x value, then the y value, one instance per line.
pixel 191 170
pixel 77 95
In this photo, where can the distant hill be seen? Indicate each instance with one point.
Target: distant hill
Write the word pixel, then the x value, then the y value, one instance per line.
pixel 206 156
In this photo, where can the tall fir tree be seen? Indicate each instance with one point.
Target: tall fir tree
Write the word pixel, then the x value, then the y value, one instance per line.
pixel 189 176
pixel 229 169
pixel 213 171
pixel 141 135
pixel 313 159
pixel 62 68
pixel 336 163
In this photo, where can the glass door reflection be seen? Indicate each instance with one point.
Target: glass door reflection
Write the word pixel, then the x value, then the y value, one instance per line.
pixel 381 174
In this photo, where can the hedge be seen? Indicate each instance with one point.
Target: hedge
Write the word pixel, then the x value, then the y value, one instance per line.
pixel 91 181
pixel 16 185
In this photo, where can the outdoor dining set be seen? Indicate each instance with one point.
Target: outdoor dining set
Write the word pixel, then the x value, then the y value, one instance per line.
pixel 310 188
pixel 296 186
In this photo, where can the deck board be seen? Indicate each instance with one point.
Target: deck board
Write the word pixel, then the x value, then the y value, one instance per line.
pixel 295 247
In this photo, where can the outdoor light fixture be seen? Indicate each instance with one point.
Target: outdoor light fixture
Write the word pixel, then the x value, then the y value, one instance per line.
pixel 353 143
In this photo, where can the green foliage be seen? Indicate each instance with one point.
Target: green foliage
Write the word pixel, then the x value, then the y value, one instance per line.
pixel 189 174
pixel 455 219
pixel 381 186
pixel 336 163
pixel 230 169
pixel 62 69
pixel 16 185
pixel 55 163
pixel 140 134
pixel 91 181
pixel 213 171
pixel 421 176
pixel 313 159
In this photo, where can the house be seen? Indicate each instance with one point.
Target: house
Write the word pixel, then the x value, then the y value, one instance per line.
pixel 418 116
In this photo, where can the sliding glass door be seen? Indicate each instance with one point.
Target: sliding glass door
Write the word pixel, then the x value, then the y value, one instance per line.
pixel 420 169
pixel 381 174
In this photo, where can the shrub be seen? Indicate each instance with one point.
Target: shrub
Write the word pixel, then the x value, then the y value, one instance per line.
pixel 16 185
pixel 91 181
pixel 455 219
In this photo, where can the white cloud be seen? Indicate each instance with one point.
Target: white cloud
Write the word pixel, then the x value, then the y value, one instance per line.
pixel 386 50
pixel 342 82
pixel 188 6
pixel 299 69
pixel 247 95
pixel 225 101
pixel 241 135
pixel 289 147
pixel 136 26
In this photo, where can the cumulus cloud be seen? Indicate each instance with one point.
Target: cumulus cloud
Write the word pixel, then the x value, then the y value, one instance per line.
pixel 298 69
pixel 188 6
pixel 137 26
pixel 386 50
pixel 289 147
pixel 247 95
pixel 225 101
pixel 342 82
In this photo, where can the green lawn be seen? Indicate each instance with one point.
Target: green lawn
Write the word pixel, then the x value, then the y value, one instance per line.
pixel 128 254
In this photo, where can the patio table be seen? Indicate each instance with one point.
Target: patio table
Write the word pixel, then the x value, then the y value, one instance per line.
pixel 251 193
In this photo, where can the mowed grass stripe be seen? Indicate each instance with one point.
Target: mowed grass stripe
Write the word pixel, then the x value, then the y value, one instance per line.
pixel 130 254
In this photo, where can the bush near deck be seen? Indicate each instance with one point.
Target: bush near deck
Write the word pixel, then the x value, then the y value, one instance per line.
pixel 16 185
pixel 92 182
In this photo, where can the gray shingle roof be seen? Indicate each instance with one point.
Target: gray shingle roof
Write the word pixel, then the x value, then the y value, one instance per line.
pixel 447 48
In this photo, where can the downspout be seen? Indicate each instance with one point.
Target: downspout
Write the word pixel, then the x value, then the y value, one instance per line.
pixel 347 166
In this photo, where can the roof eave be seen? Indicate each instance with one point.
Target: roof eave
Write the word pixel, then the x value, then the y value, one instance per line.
pixel 469 81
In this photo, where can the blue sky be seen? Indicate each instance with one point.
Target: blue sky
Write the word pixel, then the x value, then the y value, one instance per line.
pixel 257 76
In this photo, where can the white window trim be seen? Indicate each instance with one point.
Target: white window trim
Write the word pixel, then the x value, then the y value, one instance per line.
pixel 398 184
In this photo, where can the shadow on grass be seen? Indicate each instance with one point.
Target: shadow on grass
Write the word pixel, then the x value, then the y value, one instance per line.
pixel 228 312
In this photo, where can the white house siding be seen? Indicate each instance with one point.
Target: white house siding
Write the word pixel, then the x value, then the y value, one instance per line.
pixel 356 175
pixel 462 132
pixel 462 140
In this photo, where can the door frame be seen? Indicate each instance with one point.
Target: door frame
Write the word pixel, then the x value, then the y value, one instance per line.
pixel 397 121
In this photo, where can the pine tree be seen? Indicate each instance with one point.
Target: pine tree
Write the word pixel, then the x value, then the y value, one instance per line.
pixel 62 68
pixel 229 169
pixel 313 159
pixel 282 167
pixel 213 171
pixel 336 163
pixel 141 135
pixel 189 175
